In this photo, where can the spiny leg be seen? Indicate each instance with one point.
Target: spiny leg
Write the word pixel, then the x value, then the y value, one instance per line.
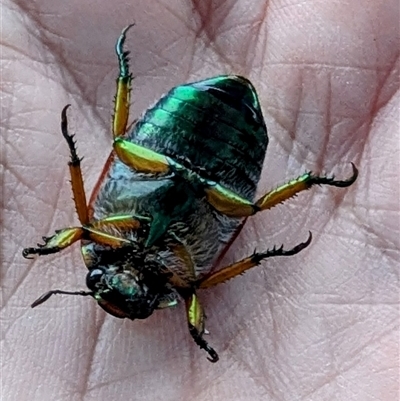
pixel 60 240
pixel 96 232
pixel 240 267
pixel 122 96
pixel 195 316
pixel 135 156
pixel 74 165
pixel 231 204
pixel 67 236
pixel 302 183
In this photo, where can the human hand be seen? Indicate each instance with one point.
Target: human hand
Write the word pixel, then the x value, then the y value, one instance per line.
pixel 321 325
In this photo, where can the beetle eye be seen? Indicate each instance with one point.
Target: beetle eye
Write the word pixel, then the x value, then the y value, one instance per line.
pixel 93 278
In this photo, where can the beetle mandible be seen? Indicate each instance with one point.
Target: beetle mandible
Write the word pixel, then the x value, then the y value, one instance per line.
pixel 173 194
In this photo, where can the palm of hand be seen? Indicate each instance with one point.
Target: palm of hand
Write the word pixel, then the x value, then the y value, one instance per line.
pixel 288 330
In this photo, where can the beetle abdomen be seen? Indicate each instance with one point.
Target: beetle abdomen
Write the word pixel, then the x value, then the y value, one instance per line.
pixel 214 126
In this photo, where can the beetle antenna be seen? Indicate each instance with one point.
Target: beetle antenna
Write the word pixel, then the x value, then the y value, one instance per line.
pixel 44 297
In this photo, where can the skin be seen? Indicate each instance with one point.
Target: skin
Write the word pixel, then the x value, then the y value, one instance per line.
pixel 321 325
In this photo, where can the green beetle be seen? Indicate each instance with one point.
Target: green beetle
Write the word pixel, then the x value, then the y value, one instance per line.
pixel 174 192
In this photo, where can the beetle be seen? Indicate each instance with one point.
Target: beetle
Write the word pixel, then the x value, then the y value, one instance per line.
pixel 172 196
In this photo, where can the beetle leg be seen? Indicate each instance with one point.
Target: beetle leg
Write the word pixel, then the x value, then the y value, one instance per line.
pixel 122 96
pixel 231 204
pixel 103 238
pixel 299 184
pixel 96 232
pixel 135 156
pixel 240 267
pixel 67 236
pixel 227 202
pixel 99 231
pixel 60 240
pixel 102 231
pixel 181 252
pixel 74 165
pixel 140 158
pixel 124 222
pixel 195 316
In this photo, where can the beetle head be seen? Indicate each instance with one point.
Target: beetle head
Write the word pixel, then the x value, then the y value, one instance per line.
pixel 121 293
